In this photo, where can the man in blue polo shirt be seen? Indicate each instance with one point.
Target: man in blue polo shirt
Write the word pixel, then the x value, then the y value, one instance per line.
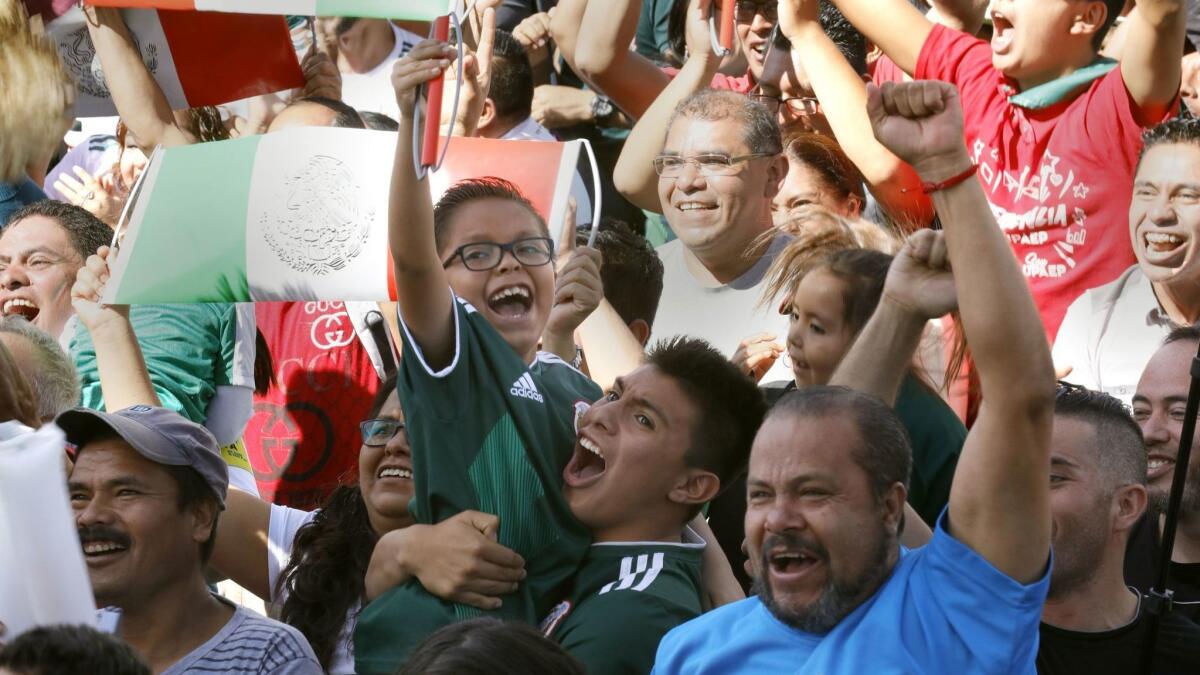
pixel 829 468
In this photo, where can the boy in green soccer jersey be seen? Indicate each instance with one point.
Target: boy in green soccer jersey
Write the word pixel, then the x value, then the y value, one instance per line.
pixel 491 420
pixel 662 442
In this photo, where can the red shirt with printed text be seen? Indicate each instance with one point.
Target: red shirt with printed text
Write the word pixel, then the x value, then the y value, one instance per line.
pixel 1059 179
pixel 303 437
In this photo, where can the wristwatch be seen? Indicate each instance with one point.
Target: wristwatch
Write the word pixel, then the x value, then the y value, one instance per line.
pixel 602 108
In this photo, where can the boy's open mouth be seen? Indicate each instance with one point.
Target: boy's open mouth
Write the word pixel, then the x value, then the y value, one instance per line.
pixel 587 465
pixel 511 300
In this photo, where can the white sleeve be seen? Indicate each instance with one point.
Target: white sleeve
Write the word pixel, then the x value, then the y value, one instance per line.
pixel 281 534
pixel 1073 346
pixel 244 346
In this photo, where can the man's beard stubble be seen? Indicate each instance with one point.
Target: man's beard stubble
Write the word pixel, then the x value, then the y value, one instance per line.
pixel 838 599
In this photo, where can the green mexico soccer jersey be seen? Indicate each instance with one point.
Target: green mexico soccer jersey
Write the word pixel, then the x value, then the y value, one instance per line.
pixel 489 433
pixel 624 599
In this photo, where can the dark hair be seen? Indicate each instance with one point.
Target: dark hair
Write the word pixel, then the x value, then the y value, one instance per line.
pixel 378 121
pixel 489 646
pixel 87 232
pixel 823 155
pixel 69 650
pixel 864 273
pixel 346 117
pixel 885 453
pixel 1174 131
pixel 632 272
pixel 1183 333
pixel 729 406
pixel 1119 444
pixel 205 124
pixel 676 50
pixel 512 78
pixel 1114 11
pixel 849 41
pixel 326 573
pixel 473 189
pixel 192 490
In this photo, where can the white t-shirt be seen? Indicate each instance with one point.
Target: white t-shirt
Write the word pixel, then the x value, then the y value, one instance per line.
pixel 281 535
pixel 1110 333
pixel 372 91
pixel 724 315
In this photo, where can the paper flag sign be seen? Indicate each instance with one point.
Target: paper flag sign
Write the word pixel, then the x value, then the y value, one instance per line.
pixel 197 58
pixel 43 579
pixel 296 215
pixel 413 10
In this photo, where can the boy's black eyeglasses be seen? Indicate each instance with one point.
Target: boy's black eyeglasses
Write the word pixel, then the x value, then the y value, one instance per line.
pixel 485 255
pixel 377 433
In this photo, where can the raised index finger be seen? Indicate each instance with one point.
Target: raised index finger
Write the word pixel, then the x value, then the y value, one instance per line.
pixel 566 242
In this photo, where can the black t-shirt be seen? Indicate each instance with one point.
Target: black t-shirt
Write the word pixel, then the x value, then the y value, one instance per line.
pixel 1141 565
pixel 1119 652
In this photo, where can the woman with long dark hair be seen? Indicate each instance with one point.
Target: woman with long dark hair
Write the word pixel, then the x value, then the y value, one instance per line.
pixel 311 566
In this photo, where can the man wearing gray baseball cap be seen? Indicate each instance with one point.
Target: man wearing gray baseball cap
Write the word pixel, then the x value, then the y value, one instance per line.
pixel 147 488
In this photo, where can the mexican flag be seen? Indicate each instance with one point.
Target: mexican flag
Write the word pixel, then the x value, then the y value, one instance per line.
pixel 197 58
pixel 297 215
pixel 412 10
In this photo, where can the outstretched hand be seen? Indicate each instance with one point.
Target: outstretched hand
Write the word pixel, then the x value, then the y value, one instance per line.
pixel 921 123
pixel 920 280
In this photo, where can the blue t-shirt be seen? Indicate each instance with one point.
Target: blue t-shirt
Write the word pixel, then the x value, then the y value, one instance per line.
pixel 944 609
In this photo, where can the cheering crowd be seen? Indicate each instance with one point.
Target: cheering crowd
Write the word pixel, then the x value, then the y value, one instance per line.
pixel 873 357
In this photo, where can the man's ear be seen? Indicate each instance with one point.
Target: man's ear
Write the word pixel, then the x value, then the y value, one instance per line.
pixel 640 330
pixel 487 116
pixel 697 486
pixel 204 516
pixel 1091 20
pixel 1129 504
pixel 893 507
pixel 776 172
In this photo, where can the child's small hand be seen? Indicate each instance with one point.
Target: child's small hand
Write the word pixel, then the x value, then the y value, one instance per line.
pixel 425 62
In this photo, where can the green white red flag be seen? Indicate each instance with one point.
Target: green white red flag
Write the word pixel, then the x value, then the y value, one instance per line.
pixel 413 10
pixel 296 215
pixel 197 58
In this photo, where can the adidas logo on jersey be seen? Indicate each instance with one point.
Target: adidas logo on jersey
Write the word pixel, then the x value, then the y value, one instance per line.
pixel 525 388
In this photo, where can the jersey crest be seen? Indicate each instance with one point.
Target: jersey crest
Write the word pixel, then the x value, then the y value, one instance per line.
pixel 555 617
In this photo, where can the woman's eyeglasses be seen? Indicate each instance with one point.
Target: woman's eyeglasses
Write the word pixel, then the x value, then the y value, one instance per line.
pixel 377 432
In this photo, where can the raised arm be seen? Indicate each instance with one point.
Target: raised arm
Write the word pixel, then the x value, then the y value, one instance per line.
pixel 1151 60
pixel 634 173
pixel 601 54
pixel 999 502
pixel 139 99
pixel 843 97
pixel 895 26
pixel 422 290
pixel 964 15
pixel 124 379
pixel 919 287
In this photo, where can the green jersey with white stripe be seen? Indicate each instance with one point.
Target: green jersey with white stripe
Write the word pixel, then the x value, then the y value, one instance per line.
pixel 624 599
pixel 489 433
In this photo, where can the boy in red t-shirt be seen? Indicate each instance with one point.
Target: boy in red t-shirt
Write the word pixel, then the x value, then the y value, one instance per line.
pixel 1054 129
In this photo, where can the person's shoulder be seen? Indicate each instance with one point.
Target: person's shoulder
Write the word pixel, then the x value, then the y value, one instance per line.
pixel 552 366
pixel 1101 299
pixel 274 640
pixel 715 622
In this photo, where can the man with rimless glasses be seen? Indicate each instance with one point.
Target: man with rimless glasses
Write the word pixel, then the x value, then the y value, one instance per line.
pixel 719 170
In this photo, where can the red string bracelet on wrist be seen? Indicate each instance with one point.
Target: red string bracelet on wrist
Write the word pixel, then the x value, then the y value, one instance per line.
pixel 930 188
